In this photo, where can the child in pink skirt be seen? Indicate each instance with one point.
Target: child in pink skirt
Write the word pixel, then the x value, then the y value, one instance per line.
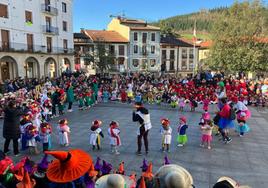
pixel 181 103
pixel 205 104
pixel 206 130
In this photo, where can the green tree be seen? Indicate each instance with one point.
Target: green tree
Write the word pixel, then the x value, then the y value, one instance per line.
pixel 236 35
pixel 102 57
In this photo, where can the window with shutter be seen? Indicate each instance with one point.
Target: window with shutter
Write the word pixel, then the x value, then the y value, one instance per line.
pixel 3 11
pixel 28 17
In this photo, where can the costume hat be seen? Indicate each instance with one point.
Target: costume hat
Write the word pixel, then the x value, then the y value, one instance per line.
pixel 63 121
pixel 92 172
pixel 26 182
pixel 68 166
pixel 149 172
pixel 166 160
pixel 106 168
pixel 183 118
pixel 142 183
pixel 144 166
pixel 173 176
pixel 96 122
pixel 114 181
pixel 42 167
pixel 165 121
pixel 98 165
pixel 121 169
pixel 234 99
pixel 5 163
pixel 228 182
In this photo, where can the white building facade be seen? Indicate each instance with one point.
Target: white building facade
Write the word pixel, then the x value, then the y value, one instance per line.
pixel 178 57
pixel 144 50
pixel 144 43
pixel 36 38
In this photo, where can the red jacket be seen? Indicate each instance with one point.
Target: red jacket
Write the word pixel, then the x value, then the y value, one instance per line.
pixel 225 111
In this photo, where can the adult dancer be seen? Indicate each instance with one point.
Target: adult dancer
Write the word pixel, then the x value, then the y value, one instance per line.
pixel 142 116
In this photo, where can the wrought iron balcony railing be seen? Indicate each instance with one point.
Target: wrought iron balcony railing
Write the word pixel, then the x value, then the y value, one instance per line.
pixel 30 48
pixel 48 9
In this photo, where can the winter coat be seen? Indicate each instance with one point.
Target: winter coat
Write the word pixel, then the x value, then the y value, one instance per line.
pixel 11 126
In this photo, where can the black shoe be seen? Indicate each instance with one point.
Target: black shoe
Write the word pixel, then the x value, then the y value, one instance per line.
pixel 7 152
pixel 228 140
pixel 147 152
pixel 138 153
pixel 17 154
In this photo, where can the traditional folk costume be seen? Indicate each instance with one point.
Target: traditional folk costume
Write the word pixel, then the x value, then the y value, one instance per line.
pixel 64 131
pixel 158 99
pixel 181 103
pixel 166 132
pixel 150 97
pixel 182 137
pixel 114 95
pixel 80 101
pixel 24 123
pixel 206 104
pixel 32 137
pixel 138 97
pixel 174 101
pixel 62 99
pixel 95 134
pixel 99 98
pixel 46 109
pixel 206 131
pixel 106 96
pixel 115 140
pixel 123 96
pixel 87 99
pixel 45 135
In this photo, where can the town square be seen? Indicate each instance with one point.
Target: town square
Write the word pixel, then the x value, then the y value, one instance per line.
pixel 115 96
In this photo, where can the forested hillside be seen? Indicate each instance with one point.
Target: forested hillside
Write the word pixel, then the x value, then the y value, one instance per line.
pixel 184 24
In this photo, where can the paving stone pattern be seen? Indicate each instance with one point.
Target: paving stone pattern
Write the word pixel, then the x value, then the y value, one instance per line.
pixel 245 159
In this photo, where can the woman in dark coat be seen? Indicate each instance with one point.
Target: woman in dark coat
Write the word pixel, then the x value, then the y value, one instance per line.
pixel 11 127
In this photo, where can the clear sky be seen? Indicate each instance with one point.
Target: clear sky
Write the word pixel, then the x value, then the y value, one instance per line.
pixel 94 14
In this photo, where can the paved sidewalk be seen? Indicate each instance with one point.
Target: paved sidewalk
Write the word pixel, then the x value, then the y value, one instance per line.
pixel 245 159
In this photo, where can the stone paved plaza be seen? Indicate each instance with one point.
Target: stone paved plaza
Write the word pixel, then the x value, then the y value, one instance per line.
pixel 245 159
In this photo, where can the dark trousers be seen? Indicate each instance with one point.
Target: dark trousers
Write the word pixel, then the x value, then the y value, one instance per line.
pixel 143 134
pixel 15 146
pixel 45 146
pixel 54 112
pixel 70 105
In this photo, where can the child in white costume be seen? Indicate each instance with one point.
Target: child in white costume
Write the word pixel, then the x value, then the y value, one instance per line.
pixel 166 132
pixel 95 133
pixel 64 131
pixel 115 140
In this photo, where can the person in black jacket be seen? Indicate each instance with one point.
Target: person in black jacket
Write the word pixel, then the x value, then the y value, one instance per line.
pixel 11 127
pixel 142 116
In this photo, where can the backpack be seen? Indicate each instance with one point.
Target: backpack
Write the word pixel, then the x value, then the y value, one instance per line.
pixel 232 114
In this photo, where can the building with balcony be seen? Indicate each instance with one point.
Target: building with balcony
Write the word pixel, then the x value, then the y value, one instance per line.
pixel 144 43
pixel 36 38
pixel 86 47
pixel 178 56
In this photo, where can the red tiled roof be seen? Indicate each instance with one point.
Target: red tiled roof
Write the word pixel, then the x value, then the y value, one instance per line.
pixel 263 40
pixel 206 44
pixel 131 21
pixel 105 36
pixel 147 28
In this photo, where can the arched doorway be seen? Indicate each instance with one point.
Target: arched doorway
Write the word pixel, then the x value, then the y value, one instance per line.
pixel 9 68
pixel 50 67
pixel 66 65
pixel 31 68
